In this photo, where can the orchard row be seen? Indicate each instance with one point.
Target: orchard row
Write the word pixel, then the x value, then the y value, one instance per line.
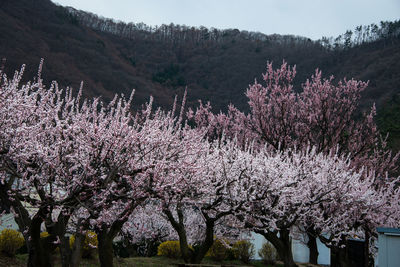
pixel 295 164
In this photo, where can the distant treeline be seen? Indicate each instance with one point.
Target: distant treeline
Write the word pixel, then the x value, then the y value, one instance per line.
pixel 386 30
pixel 176 33
pixel 179 34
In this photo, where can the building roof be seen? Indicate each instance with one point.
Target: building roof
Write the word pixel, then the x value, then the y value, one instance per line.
pixel 384 230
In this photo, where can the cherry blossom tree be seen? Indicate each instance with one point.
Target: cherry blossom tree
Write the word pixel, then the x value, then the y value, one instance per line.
pixel 233 125
pixel 327 115
pixel 288 187
pixel 104 166
pixel 117 152
pixel 354 210
pixel 148 226
pixel 60 154
pixel 29 148
pixel 208 190
pixel 323 116
pixel 154 145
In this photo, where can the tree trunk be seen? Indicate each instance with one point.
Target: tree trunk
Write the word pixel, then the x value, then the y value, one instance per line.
pixel 286 251
pixel 65 252
pixel 189 255
pixel 77 249
pixel 57 230
pixel 179 227
pixel 106 235
pixel 313 248
pixel 339 257
pixel 71 257
pixel 105 248
pixel 287 259
pixel 282 244
pixel 201 252
pixel 38 255
pixel 339 253
pixel 367 261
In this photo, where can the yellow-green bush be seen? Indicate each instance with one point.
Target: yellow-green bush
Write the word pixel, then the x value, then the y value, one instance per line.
pixel 243 250
pixel 268 253
pixel 10 241
pixel 89 245
pixel 44 234
pixel 218 251
pixel 170 249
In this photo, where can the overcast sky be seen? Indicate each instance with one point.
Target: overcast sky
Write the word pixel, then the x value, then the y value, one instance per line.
pixel 310 18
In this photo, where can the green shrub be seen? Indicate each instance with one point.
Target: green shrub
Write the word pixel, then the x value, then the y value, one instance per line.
pixel 243 250
pixel 268 253
pixel 170 249
pixel 89 245
pixel 10 241
pixel 218 251
pixel 230 254
pixel 123 250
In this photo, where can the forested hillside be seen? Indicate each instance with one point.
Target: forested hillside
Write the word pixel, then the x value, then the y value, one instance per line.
pixel 216 65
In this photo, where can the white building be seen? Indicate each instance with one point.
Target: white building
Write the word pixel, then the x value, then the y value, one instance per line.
pixel 299 249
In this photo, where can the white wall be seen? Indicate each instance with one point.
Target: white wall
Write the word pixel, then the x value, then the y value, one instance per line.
pixel 257 240
pixel 324 256
pixel 389 250
pixel 299 249
pixel 301 252
pixel 7 221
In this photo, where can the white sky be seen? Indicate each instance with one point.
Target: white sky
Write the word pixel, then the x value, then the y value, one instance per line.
pixel 310 18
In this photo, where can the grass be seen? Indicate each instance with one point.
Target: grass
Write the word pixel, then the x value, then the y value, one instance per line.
pixel 17 261
pixel 163 261
pixel 20 260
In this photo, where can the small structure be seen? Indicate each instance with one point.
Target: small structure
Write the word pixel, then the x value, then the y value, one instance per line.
pixel 388 247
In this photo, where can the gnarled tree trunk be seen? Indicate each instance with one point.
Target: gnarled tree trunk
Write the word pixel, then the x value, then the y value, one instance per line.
pixel 189 255
pixel 106 255
pixel 201 251
pixel 339 257
pixel 313 248
pixel 38 254
pixel 29 227
pixel 282 244
pixel 368 258
pixel 77 249
pixel 106 235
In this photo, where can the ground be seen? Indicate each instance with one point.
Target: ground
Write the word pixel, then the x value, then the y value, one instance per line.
pixel 21 259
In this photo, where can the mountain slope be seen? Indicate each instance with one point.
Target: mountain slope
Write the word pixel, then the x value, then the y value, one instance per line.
pixel 31 30
pixel 217 68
